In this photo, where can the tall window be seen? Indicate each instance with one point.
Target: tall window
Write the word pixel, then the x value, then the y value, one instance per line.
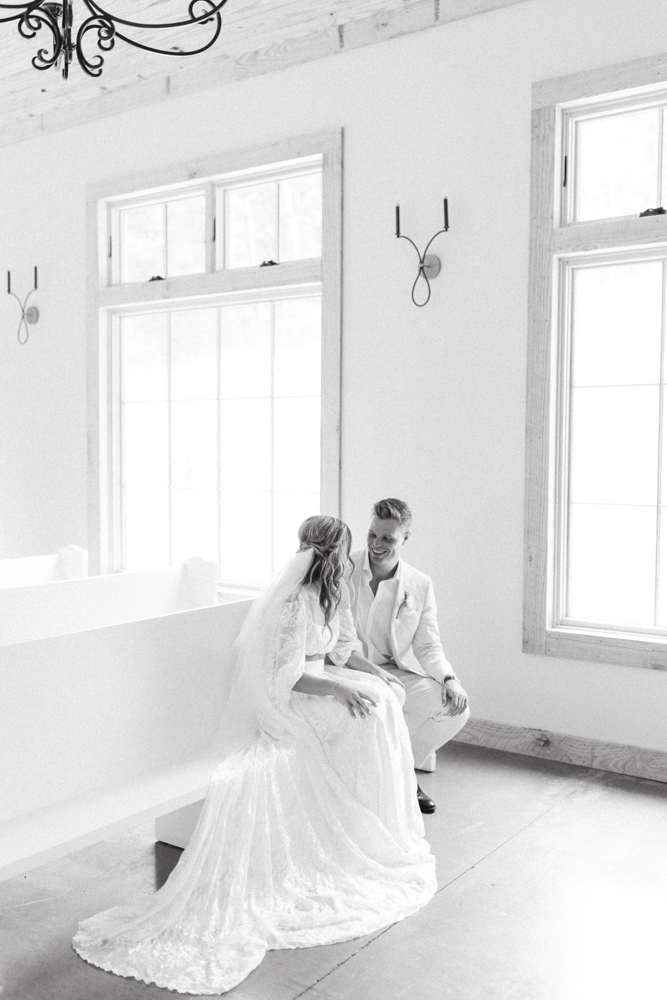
pixel 596 510
pixel 214 309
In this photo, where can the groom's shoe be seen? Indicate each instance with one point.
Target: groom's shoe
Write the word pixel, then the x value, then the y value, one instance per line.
pixel 425 804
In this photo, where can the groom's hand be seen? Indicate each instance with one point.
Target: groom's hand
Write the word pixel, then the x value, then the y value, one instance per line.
pixel 454 697
pixel 384 675
pixel 359 662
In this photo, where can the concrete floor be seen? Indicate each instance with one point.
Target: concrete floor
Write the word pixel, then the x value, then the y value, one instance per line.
pixel 553 886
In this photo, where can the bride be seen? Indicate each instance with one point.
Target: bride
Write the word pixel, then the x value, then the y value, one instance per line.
pixel 310 833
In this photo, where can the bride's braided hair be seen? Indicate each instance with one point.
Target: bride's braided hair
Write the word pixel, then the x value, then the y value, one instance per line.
pixel 331 540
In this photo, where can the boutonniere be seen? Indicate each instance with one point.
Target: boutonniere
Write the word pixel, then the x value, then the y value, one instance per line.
pixel 405 603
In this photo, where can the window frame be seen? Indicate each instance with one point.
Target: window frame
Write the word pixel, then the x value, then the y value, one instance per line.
pixel 553 240
pixel 106 300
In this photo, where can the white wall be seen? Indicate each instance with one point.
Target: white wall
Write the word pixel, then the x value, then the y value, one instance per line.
pixel 433 399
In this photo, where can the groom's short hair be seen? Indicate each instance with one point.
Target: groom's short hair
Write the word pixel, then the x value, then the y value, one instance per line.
pixel 393 510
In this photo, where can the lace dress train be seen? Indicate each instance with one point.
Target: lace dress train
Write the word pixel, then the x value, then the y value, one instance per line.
pixel 308 838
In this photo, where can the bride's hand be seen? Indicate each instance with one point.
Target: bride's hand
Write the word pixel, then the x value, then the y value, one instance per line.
pixel 353 700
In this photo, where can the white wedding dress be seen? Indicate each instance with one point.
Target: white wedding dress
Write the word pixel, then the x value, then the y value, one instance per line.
pixel 310 833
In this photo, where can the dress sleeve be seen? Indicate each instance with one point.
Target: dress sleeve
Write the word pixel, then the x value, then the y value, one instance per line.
pixel 347 642
pixel 290 650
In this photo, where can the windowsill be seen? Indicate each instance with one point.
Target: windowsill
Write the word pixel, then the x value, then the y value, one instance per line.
pixel 592 631
pixel 622 648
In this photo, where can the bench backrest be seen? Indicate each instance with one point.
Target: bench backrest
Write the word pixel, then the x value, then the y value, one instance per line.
pixel 62 607
pixel 70 562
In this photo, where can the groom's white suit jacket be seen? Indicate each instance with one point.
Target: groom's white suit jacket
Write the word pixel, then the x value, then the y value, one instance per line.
pixel 414 636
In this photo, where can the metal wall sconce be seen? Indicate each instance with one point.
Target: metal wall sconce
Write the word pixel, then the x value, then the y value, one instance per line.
pixel 429 263
pixel 29 315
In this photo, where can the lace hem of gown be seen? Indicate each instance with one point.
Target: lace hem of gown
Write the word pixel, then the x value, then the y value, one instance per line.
pixel 211 973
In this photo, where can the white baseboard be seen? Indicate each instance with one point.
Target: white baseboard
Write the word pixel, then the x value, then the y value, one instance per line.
pixel 637 761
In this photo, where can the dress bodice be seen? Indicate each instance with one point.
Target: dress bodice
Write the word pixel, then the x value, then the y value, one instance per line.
pixel 338 638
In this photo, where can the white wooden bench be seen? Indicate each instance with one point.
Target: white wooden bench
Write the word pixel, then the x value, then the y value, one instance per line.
pixel 68 563
pixel 108 726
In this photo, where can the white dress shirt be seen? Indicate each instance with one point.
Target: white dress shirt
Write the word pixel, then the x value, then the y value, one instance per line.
pixel 374 613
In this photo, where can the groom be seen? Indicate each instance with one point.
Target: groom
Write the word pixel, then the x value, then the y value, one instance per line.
pixel 395 617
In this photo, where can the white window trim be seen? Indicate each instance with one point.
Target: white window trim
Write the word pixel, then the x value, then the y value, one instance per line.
pixel 104 298
pixel 550 243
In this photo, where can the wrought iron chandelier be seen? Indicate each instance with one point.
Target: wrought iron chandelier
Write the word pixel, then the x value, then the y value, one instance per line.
pixel 65 42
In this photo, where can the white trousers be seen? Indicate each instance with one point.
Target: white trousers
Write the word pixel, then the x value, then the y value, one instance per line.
pixel 428 724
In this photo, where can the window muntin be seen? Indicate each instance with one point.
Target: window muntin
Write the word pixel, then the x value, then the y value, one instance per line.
pixel 219 431
pixel 616 165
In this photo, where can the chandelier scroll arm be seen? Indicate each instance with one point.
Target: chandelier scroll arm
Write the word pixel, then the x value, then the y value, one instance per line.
pixel 168 52
pixel 33 19
pixel 106 38
pixel 21 8
pixel 216 7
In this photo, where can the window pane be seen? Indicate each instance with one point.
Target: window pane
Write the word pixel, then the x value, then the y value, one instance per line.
pixel 617 157
pixel 146 528
pixel 186 234
pixel 612 563
pixel 194 354
pixel 297 445
pixel 145 444
pixel 245 350
pixel 614 445
pixel 194 524
pixel 142 242
pixel 245 444
pixel 301 217
pixel 290 509
pixel 616 324
pixel 245 537
pixel 194 444
pixel 144 346
pixel 297 347
pixel 252 215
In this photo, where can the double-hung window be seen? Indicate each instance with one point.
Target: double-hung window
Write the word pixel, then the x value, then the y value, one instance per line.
pixel 596 481
pixel 215 360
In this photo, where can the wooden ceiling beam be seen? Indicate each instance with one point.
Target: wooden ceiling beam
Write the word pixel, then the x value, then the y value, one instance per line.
pixel 277 34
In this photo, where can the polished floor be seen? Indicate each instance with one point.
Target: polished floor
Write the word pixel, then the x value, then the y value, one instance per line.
pixel 553 886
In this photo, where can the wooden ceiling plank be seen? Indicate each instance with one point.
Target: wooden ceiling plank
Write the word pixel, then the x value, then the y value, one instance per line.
pixel 29 106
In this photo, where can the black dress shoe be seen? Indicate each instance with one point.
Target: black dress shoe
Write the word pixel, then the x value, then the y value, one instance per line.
pixel 425 804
